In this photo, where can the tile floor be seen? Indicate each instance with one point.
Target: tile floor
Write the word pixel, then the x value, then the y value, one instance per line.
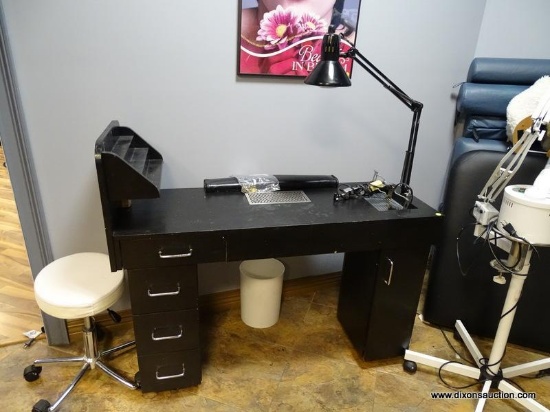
pixel 303 363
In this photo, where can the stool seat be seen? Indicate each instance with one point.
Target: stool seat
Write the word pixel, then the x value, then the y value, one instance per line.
pixel 78 286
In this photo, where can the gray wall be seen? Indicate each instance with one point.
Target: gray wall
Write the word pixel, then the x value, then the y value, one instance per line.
pixel 167 70
pixel 513 28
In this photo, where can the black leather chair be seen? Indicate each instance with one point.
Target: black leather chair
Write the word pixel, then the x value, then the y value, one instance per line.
pixel 466 290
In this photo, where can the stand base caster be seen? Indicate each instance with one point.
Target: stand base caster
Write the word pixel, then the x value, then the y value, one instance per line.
pixel 409 366
pixel 137 379
pixel 32 373
pixel 41 406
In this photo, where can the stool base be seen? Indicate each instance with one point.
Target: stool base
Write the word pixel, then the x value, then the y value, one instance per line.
pixel 92 358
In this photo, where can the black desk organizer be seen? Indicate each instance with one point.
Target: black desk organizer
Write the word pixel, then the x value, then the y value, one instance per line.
pixel 129 168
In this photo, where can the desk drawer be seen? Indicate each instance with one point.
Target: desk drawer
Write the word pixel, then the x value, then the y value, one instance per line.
pixel 166 332
pixel 163 289
pixel 170 371
pixel 173 250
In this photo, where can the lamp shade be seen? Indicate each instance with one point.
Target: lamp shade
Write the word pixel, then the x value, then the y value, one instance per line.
pixel 329 72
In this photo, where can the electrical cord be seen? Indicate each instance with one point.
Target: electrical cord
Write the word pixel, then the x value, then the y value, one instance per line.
pixel 509 228
pixel 503 266
pixel 490 237
pixel 440 369
pixel 483 361
pixel 448 385
pixel 454 349
pixel 486 237
pixel 376 186
pixel 511 382
pixel 460 266
pixel 483 237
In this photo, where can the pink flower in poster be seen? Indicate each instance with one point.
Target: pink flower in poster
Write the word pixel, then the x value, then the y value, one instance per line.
pixel 278 27
pixel 286 40
pixel 312 24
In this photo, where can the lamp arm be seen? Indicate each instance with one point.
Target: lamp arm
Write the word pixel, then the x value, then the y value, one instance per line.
pixel 358 57
pixel 409 154
pixel 414 105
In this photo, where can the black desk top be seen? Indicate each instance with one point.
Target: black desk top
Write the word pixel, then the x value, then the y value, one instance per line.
pixel 180 211
pixel 225 227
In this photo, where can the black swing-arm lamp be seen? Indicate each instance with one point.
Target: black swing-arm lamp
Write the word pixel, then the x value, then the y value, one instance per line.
pixel 330 73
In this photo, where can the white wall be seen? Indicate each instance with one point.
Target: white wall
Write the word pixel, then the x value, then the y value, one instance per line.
pixel 513 28
pixel 167 69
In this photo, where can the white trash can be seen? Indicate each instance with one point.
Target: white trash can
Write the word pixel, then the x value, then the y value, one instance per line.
pixel 261 290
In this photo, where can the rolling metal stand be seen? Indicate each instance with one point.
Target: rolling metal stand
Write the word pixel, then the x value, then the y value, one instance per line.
pixel 489 372
pixel 525 210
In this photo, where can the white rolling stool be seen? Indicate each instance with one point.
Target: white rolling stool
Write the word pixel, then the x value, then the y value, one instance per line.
pixel 74 287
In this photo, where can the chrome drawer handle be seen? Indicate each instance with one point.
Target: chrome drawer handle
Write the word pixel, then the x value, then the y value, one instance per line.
pixel 155 338
pixel 155 295
pixel 179 375
pixel 176 256
pixel 388 281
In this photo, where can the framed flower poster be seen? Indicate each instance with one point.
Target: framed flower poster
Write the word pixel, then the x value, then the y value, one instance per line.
pixel 284 37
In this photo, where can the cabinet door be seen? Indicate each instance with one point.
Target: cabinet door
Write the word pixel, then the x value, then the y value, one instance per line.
pixel 379 297
pixel 356 295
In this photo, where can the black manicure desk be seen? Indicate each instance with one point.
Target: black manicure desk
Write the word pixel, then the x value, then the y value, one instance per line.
pixel 159 236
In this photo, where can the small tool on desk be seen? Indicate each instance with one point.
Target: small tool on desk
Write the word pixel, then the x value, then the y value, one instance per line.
pixel 32 335
pixel 379 188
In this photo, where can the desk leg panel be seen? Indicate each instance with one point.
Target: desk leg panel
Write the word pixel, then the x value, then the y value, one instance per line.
pixel 379 296
pixel 356 295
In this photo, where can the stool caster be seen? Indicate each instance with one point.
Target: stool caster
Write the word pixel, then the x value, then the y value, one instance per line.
pixel 32 373
pixel 409 366
pixel 41 406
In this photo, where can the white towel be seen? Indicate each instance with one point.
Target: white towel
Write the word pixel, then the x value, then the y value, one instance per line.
pixel 524 104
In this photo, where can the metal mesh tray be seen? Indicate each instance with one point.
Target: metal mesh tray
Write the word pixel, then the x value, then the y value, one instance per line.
pixel 382 203
pixel 272 198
